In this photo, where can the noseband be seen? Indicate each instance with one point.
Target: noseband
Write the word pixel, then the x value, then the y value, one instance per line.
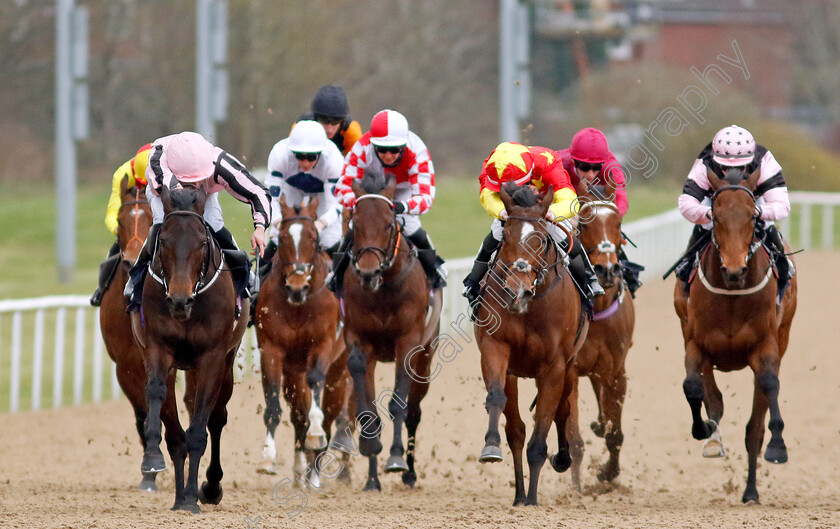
pixel 202 283
pixel 386 257
pixel 541 271
pixel 303 268
pixel 755 244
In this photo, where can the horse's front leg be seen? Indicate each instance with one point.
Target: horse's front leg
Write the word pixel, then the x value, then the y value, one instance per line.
pixel 713 447
pixel 271 364
pixel 693 389
pixel 515 433
pixel 494 364
pixel 362 370
pixel 316 436
pixel 211 490
pixel 208 374
pixel 398 405
pixel 552 399
pixel 158 364
pixel 573 436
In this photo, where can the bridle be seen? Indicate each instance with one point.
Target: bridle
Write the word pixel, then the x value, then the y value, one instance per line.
pixel 755 244
pixel 387 256
pixel 304 269
pixel 540 271
pixel 211 247
pixel 137 202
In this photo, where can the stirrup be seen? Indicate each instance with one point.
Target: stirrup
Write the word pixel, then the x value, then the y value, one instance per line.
pixel 96 298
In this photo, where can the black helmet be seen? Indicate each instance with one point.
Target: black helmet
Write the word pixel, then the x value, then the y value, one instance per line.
pixel 330 101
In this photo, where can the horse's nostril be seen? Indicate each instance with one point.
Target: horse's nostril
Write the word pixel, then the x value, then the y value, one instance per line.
pixel 616 270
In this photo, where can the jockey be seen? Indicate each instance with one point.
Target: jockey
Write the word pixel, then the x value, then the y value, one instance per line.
pixel 188 158
pixel 734 147
pixel 135 170
pixel 306 164
pixel 392 148
pixel 540 167
pixel 589 162
pixel 330 109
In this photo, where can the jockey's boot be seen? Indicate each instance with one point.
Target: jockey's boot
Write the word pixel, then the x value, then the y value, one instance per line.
pixel 784 266
pixel 428 257
pixel 630 272
pixel 332 249
pixel 340 260
pixel 685 268
pixel 472 283
pixel 240 266
pixel 583 274
pixel 107 271
pixel 133 292
pixel 264 269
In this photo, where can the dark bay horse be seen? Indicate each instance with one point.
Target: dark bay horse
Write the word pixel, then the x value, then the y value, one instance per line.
pixel 732 321
pixel 529 324
pixel 609 338
pixel 191 319
pixel 386 300
pixel 134 220
pixel 297 325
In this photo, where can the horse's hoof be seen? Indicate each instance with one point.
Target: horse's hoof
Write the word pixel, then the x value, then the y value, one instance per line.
pixel 342 442
pixel 208 496
pixel 344 476
pixel 396 464
pixel 147 484
pixel 597 428
pixel 703 430
pixel 409 478
pixel 315 442
pixel 153 463
pixel 750 497
pixel 561 461
pixel 189 507
pixel 713 448
pixel 606 474
pixel 369 447
pixel 372 485
pixel 776 453
pixel 518 501
pixel 490 454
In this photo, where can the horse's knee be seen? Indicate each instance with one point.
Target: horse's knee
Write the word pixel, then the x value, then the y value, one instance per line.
pixel 196 439
pixel 314 377
pixel 396 406
pixel 156 389
pixel 693 389
pixel 356 363
pixel 412 418
pixel 537 451
pixel 614 440
pixel 495 399
pixel 768 383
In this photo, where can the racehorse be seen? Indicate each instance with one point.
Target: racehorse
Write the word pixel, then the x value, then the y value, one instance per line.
pixel 733 321
pixel 133 220
pixel 386 300
pixel 297 325
pixel 191 319
pixel 529 323
pixel 609 338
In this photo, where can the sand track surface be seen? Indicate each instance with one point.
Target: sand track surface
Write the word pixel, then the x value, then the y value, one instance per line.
pixel 78 467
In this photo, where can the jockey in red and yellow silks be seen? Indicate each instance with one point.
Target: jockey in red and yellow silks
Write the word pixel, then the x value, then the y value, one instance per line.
pixel 541 168
pixel 134 170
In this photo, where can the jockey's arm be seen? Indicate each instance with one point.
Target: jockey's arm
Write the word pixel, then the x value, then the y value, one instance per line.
pixel 696 188
pixel 492 203
pixel 565 204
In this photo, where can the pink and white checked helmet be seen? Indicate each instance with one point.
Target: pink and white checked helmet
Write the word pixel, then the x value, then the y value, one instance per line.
pixel 388 128
pixel 190 157
pixel 733 146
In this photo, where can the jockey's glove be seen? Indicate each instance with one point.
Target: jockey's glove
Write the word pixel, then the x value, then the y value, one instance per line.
pixel 400 207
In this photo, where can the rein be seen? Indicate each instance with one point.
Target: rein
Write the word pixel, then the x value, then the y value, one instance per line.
pixel 521 265
pixel 137 202
pixel 202 284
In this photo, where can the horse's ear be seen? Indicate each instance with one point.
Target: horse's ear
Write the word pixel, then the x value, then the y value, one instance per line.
pixel 166 199
pixel 547 199
pixel 201 200
pixel 713 179
pixel 752 181
pixel 504 194
pixel 390 187
pixel 356 186
pixel 124 185
pixel 312 207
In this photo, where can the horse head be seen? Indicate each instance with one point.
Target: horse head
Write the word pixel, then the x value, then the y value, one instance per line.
pixel 375 229
pixel 600 235
pixel 525 244
pixel 183 250
pixel 298 247
pixel 133 222
pixel 733 217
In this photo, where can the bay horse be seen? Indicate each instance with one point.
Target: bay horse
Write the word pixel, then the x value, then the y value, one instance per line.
pixel 133 222
pixel 385 320
pixel 529 323
pixel 191 319
pixel 730 320
pixel 298 332
pixel 609 338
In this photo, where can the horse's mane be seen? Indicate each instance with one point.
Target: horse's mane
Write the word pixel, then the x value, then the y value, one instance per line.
pixel 734 176
pixel 184 198
pixel 373 181
pixel 522 195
